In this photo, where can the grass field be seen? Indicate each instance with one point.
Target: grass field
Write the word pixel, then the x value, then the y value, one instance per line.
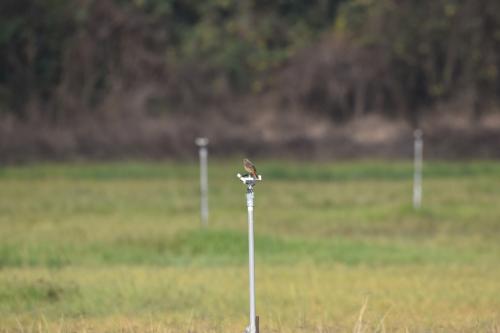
pixel 119 248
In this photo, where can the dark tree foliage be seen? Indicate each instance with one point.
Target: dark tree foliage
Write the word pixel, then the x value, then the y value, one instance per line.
pixel 63 57
pixel 61 60
pixel 434 50
pixel 33 36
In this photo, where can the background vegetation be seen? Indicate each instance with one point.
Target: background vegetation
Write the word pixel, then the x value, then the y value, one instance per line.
pixel 117 77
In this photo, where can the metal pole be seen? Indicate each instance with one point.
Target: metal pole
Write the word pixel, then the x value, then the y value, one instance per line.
pixel 417 177
pixel 202 143
pixel 251 264
pixel 250 182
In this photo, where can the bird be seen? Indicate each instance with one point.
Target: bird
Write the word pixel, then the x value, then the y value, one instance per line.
pixel 249 167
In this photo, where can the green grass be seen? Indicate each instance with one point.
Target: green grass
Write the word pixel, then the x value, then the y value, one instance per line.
pixel 118 247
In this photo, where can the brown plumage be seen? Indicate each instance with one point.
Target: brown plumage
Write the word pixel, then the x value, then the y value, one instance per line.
pixel 249 167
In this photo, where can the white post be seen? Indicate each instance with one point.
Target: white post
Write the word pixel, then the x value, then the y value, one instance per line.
pixel 417 176
pixel 202 144
pixel 251 264
pixel 250 182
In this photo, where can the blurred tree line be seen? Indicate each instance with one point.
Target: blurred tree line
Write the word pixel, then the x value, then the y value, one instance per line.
pixel 64 60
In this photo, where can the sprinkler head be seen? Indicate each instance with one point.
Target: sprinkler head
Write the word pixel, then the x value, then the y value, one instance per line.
pixel 201 142
pixel 248 179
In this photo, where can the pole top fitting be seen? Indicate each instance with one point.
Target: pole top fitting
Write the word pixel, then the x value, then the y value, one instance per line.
pixel 417 133
pixel 248 179
pixel 201 142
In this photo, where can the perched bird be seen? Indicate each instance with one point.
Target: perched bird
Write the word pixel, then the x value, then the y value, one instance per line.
pixel 249 167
